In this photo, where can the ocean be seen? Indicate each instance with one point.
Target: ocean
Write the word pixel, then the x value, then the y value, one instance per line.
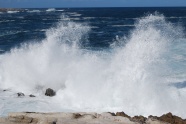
pixel 96 59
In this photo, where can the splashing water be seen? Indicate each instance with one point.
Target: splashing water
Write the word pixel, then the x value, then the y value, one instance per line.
pixel 135 77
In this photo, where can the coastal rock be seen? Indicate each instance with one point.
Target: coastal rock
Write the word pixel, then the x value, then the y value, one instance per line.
pixel 63 118
pixel 76 115
pixel 140 119
pixel 50 92
pixel 153 117
pixel 86 118
pixel 105 114
pixel 113 114
pixel 122 114
pixel 20 94
pixel 20 119
pixel 154 121
pixel 172 119
pixel 6 90
pixel 110 118
pixel 31 95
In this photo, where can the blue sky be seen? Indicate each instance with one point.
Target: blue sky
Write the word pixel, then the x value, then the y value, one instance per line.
pixel 88 3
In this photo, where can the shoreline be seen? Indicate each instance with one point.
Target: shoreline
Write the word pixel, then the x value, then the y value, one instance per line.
pixel 87 118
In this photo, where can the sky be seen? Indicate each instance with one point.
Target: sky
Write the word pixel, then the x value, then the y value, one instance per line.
pixel 88 3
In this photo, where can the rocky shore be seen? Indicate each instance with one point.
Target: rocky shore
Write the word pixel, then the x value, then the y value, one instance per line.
pixel 83 117
pixel 87 118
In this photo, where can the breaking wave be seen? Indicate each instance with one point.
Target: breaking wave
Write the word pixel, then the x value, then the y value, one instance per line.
pixel 32 11
pixel 12 12
pixel 51 10
pixel 135 75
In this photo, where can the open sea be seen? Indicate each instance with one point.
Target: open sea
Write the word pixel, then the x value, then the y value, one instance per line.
pixel 96 59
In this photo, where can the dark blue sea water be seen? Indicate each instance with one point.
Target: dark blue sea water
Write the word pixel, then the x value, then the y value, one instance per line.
pixel 106 23
pixel 96 59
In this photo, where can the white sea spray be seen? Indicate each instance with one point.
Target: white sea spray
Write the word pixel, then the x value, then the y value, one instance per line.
pixel 134 77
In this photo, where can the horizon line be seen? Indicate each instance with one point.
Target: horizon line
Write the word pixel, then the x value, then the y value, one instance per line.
pixel 96 7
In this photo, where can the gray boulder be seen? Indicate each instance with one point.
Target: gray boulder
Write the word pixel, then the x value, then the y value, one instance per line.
pixel 31 95
pixel 50 92
pixel 20 94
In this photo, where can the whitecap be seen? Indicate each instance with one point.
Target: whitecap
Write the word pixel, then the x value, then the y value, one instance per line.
pixel 89 17
pixel 122 25
pixel 60 10
pixel 10 12
pixel 51 10
pixel 32 11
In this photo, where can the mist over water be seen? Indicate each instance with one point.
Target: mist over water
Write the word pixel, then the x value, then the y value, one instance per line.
pixel 135 75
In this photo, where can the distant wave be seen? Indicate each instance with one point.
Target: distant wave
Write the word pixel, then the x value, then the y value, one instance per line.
pixel 71 19
pixel 11 33
pixel 34 11
pixel 60 10
pixel 2 50
pixel 7 21
pixel 74 18
pixel 73 14
pixel 50 10
pixel 172 17
pixel 89 17
pixel 76 15
pixel 123 25
pixel 94 27
pixel 12 12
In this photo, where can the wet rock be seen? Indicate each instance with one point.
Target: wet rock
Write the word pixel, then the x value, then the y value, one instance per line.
pixel 172 119
pixel 20 119
pixel 122 114
pixel 113 114
pixel 50 92
pixel 86 117
pixel 154 121
pixel 30 112
pixel 6 90
pixel 140 119
pixel 76 115
pixel 20 94
pixel 153 118
pixel 52 122
pixel 31 95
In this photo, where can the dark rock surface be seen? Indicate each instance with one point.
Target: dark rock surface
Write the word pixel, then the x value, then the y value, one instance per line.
pixel 20 94
pixel 31 95
pixel 76 115
pixel 113 114
pixel 172 119
pixel 166 118
pixel 50 92
pixel 122 114
pixel 140 119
